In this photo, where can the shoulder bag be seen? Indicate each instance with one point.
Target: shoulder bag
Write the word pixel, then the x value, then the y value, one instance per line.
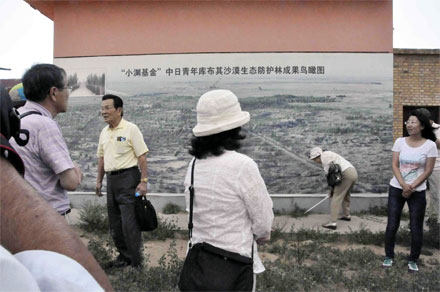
pixel 334 176
pixel 209 268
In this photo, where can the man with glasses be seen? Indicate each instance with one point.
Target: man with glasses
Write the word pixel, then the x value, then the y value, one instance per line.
pixel 49 168
pixel 121 149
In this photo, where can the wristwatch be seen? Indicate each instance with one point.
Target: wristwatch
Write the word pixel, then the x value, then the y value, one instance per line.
pixel 144 180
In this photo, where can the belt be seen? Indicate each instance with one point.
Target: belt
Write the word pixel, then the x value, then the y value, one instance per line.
pixel 120 170
pixel 65 213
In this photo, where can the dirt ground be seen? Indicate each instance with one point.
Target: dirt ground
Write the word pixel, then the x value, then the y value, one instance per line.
pixel 154 250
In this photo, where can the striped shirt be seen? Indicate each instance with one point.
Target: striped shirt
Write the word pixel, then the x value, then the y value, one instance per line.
pixel 45 156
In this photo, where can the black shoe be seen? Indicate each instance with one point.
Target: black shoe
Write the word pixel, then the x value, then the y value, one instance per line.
pixel 345 218
pixel 331 226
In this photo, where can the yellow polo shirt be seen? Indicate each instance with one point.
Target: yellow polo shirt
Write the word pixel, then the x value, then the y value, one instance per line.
pixel 121 146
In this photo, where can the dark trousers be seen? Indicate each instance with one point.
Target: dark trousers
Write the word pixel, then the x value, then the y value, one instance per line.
pixel 122 220
pixel 417 206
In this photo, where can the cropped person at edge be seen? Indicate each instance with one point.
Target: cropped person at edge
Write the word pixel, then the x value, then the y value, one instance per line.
pixel 434 179
pixel 49 168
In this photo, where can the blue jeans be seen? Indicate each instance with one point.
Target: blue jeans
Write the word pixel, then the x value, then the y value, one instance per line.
pixel 417 206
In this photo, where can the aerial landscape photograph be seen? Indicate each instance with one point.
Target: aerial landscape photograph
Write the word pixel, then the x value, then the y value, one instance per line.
pixel 346 108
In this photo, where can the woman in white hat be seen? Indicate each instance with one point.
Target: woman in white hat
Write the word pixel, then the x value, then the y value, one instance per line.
pixel 340 193
pixel 232 207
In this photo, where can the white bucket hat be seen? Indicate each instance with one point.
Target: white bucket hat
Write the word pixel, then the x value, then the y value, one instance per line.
pixel 218 111
pixel 315 152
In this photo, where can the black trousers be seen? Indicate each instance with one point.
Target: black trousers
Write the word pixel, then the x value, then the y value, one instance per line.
pixel 417 206
pixel 124 228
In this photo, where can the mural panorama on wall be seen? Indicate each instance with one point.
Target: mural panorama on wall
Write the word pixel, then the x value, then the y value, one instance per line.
pixel 339 101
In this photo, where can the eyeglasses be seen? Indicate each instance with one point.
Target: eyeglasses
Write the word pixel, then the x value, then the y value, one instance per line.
pixel 106 108
pixel 69 88
pixel 411 123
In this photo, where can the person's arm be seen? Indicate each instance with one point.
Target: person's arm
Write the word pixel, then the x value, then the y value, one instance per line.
pixel 142 186
pixel 430 161
pixel 258 202
pixel 71 178
pixel 99 176
pixel 29 223
pixel 407 189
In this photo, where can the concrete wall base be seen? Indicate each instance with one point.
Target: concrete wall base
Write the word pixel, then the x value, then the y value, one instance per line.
pixel 282 204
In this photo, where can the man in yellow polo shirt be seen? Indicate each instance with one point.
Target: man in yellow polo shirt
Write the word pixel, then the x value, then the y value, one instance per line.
pixel 121 150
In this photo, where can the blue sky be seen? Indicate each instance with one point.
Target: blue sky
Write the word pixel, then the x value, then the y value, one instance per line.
pixel 27 35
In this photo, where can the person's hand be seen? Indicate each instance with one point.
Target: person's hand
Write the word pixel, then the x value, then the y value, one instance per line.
pixel 98 189
pixel 407 190
pixel 263 240
pixel 79 173
pixel 142 189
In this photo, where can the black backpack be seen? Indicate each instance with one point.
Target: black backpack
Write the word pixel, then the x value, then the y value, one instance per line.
pixel 334 176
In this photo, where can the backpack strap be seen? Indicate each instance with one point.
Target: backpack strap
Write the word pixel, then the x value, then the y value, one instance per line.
pixel 191 203
pixel 8 153
pixel 29 113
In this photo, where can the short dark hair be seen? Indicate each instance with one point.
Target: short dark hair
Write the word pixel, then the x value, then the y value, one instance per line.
pixel 428 131
pixel 117 101
pixel 215 145
pixel 40 78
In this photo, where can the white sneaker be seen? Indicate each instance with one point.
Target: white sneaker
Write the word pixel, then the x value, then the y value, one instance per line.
pixel 412 267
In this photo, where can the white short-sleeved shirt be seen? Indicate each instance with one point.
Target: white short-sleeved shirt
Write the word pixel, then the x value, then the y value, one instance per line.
pixel 231 203
pixel 412 161
pixel 328 156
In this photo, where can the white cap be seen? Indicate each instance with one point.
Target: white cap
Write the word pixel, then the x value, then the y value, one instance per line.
pixel 218 111
pixel 315 152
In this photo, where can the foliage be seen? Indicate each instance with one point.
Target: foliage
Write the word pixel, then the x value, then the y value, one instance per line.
pixel 296 212
pixel 379 211
pixel 165 229
pixel 102 248
pixel 375 211
pixel 163 277
pixel 72 80
pixel 93 218
pixel 315 266
pixel 433 234
pixel 171 208
pixel 307 260
pixel 96 83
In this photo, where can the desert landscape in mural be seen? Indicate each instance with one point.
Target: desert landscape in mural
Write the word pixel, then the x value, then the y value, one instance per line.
pixel 352 118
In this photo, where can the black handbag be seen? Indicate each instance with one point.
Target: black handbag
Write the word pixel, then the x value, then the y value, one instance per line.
pixel 145 214
pixel 209 268
pixel 334 176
